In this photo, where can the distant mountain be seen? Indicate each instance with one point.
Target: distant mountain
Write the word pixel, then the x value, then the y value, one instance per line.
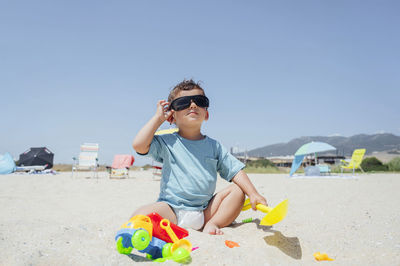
pixel 344 145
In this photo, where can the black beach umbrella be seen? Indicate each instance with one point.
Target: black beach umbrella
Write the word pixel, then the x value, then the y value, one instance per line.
pixel 37 156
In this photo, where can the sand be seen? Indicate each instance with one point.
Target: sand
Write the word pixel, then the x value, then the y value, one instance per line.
pixel 57 220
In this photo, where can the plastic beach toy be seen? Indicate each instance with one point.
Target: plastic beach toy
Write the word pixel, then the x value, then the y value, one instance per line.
pixel 145 234
pixel 178 243
pixel 180 255
pixel 231 244
pixel 161 233
pixel 274 215
pixel 321 256
pixel 248 220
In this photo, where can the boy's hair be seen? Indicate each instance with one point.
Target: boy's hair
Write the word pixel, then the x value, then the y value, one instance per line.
pixel 185 85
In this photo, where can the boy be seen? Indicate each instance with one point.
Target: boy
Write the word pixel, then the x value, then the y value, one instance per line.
pixel 191 161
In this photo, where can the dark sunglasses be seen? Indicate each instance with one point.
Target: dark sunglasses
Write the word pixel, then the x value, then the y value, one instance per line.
pixel 184 102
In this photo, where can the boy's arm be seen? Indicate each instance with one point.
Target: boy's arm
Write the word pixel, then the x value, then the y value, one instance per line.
pixel 143 139
pixel 242 180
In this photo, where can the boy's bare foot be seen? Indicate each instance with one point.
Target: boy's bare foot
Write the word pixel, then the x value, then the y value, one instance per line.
pixel 212 229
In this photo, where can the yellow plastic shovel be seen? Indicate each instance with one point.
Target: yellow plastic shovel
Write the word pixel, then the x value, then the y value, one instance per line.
pixel 274 215
pixel 178 243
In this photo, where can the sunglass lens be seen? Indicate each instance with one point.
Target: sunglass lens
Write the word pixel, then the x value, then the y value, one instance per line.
pixel 180 103
pixel 201 100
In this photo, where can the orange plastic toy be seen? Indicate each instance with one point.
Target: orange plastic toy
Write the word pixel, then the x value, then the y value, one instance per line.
pixel 231 244
pixel 321 256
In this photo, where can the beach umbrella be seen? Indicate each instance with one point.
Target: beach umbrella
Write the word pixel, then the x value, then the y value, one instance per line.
pixel 7 164
pixel 309 148
pixel 314 147
pixel 37 156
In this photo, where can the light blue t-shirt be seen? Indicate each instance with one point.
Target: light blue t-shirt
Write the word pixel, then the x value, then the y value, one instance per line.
pixel 189 173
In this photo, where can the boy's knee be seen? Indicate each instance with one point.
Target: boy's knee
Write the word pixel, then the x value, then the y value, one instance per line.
pixel 238 192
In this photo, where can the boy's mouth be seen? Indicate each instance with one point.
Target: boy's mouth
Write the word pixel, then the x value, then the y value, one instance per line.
pixel 192 112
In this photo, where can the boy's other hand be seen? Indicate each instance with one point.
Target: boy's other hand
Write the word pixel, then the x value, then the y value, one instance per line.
pixel 257 199
pixel 162 111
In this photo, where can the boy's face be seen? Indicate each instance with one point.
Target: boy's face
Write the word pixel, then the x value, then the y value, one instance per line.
pixel 193 115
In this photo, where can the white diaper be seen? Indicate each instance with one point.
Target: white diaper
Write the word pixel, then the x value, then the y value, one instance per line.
pixel 189 219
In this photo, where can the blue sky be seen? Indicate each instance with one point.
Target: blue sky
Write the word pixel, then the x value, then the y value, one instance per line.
pixel 92 71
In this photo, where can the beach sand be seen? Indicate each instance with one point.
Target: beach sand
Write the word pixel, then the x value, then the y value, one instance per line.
pixel 57 220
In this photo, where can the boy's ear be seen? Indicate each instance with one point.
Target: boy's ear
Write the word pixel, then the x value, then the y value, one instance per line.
pixel 207 116
pixel 170 119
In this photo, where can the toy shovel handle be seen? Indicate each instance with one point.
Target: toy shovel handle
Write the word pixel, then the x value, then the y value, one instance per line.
pixel 263 208
pixel 260 207
pixel 166 226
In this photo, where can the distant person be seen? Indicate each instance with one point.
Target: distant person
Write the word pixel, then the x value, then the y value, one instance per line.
pixel 191 161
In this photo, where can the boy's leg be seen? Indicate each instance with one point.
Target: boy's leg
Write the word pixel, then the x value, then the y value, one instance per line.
pixel 223 209
pixel 161 208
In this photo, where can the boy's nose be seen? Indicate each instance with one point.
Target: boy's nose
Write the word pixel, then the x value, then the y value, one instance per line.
pixel 193 104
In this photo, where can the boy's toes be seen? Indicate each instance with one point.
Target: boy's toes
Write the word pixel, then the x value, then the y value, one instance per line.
pixel 212 229
pixel 219 232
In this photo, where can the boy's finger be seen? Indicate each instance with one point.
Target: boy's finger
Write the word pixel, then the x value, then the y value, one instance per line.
pixel 253 205
pixel 165 105
pixel 263 201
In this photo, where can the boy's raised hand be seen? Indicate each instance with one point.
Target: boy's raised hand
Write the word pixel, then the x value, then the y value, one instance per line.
pixel 162 111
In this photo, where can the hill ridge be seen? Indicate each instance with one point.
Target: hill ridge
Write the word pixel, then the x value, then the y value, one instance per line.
pixel 344 145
